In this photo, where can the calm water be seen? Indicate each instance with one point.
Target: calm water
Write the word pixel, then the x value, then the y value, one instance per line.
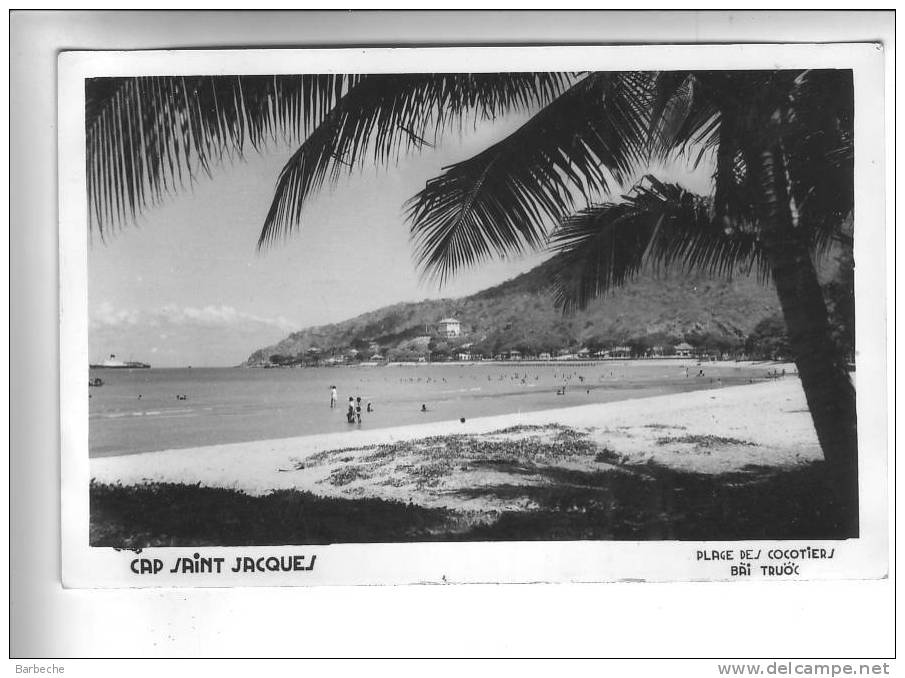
pixel 228 405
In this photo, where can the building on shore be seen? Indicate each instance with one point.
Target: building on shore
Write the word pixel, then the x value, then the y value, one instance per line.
pixel 684 350
pixel 449 328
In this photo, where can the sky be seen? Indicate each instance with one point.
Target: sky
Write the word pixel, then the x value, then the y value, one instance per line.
pixel 187 286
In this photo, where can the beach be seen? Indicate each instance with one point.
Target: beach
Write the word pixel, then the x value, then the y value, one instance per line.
pixel 712 432
pixel 138 411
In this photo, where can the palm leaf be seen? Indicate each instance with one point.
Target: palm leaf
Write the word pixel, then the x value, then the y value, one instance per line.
pixel 807 113
pixel 684 115
pixel 149 136
pixel 689 108
pixel 501 201
pixel 606 245
pixel 384 116
pixel 819 144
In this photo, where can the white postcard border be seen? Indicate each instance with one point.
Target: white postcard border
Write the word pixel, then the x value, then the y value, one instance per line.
pixel 865 557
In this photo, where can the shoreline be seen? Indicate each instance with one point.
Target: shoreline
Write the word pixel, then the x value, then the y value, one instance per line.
pixel 767 424
pixel 789 366
pixel 289 402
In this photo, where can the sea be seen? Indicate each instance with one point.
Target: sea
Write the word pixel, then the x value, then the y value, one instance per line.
pixel 141 410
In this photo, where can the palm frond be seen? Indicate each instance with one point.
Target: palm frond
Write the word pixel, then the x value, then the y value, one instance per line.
pixel 819 144
pixel 690 109
pixel 734 195
pixel 684 115
pixel 502 201
pixel 384 116
pixel 149 136
pixel 606 245
pixel 736 114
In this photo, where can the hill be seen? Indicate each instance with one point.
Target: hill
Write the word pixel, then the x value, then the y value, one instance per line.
pixel 656 309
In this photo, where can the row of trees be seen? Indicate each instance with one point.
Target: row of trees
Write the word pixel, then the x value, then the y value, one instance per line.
pixel 767 341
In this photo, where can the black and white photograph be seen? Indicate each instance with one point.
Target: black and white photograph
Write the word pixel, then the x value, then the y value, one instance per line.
pixel 440 334
pixel 456 297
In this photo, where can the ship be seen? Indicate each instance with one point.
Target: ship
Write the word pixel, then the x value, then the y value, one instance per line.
pixel 112 363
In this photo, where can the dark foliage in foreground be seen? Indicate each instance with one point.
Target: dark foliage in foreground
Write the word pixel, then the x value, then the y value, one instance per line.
pixel 660 503
pixel 650 504
pixel 169 514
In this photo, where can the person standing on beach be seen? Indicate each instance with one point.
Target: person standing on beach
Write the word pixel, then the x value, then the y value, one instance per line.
pixel 332 397
pixel 350 413
pixel 358 409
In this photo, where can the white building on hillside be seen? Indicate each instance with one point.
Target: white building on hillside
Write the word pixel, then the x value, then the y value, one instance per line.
pixel 449 328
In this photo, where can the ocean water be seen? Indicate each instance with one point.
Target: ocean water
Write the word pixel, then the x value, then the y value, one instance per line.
pixel 226 405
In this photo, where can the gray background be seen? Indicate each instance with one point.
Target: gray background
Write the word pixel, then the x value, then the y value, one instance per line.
pixel 48 621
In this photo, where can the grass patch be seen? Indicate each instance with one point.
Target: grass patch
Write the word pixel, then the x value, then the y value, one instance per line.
pixel 645 502
pixel 168 514
pixel 656 503
pixel 704 441
pixel 325 456
pixel 423 463
pixel 634 501
pixel 344 475
pixel 608 456
pixel 564 442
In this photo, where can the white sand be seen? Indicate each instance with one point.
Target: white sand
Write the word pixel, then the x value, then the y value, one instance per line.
pixel 769 425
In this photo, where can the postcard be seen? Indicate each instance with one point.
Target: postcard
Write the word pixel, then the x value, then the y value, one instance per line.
pixel 455 315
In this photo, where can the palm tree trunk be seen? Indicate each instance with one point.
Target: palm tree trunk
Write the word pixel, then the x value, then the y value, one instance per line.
pixel 828 388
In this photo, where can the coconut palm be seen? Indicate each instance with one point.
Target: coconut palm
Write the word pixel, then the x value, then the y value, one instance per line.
pixel 780 143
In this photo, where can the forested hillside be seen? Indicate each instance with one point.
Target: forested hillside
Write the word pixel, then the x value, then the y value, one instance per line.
pixel 657 309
